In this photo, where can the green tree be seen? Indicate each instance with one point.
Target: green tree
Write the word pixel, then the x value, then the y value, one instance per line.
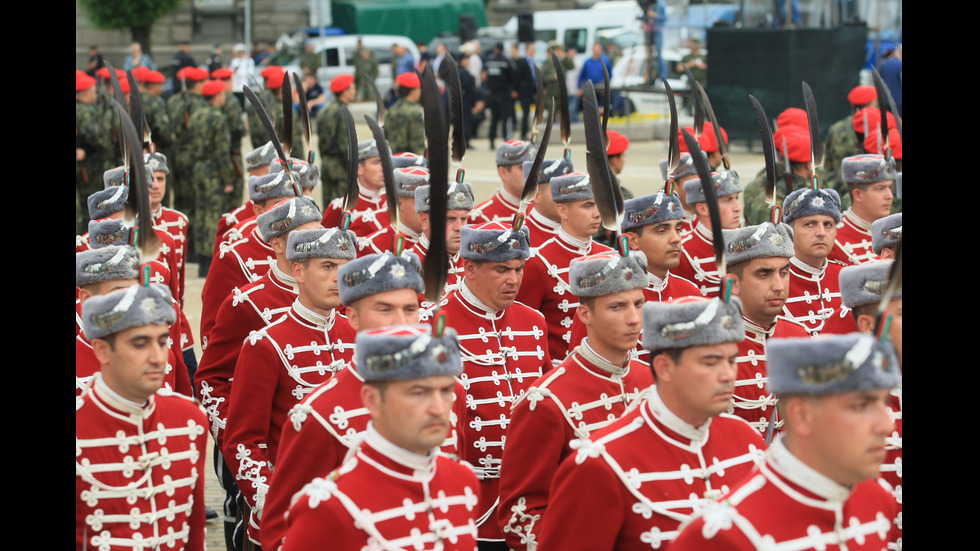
pixel 136 15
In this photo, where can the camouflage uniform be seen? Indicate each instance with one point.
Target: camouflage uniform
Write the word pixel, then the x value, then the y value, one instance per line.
pixel 181 108
pixel 405 128
pixel 88 173
pixel 159 120
pixel 236 127
pixel 549 76
pixel 365 73
pixel 331 130
pixel 841 142
pixel 257 132
pixel 210 139
pixel 108 121
pixel 756 210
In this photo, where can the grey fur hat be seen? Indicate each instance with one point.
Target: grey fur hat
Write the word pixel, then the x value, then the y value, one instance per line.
pixel 410 178
pixel 514 152
pixel 367 149
pixel 651 209
pixel 286 216
pixel 406 159
pixel 102 233
pixel 726 183
pixel 106 202
pixel 376 273
pixel 765 240
pixel 134 307
pixel 460 197
pixel 117 176
pixel 684 168
pixel 404 352
pixel 571 187
pixel 270 186
pixel 807 202
pixel 864 283
pixel 550 168
pixel 831 364
pixel 494 242
pixel 156 162
pixel 260 157
pixel 898 185
pixel 886 232
pixel 321 243
pixel 692 321
pixel 607 273
pixel 867 169
pixel 309 175
pixel 111 263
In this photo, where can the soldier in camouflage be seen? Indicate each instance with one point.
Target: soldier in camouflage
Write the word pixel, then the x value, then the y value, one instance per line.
pixel 88 148
pixel 797 144
pixel 271 100
pixel 155 108
pixel 843 140
pixel 365 72
pixel 331 130
pixel 549 74
pixel 213 173
pixel 236 125
pixel 181 107
pixel 404 124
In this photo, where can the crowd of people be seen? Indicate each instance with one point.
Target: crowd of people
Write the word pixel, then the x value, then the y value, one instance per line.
pixel 556 393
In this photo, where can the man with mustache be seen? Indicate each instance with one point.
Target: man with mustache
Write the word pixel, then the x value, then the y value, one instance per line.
pixel 817 487
pixel 672 454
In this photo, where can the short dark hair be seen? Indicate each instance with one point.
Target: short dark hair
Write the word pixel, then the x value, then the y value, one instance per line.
pixel 673 353
pixel 864 310
pixel 588 302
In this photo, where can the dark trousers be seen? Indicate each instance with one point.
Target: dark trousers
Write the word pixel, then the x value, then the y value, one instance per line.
pixel 526 103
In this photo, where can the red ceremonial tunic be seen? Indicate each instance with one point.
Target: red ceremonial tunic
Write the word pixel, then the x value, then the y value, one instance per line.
pixel 785 504
pixel 632 484
pixel 853 244
pixel 752 400
pixel 582 395
pixel 385 497
pixel 815 300
pixel 540 228
pixel 545 287
pixel 689 223
pixel 698 261
pixel 456 271
pixel 247 309
pixel 280 364
pixel 232 219
pixel 139 472
pixel 175 377
pixel 234 265
pixel 503 354
pixel 320 432
pixel 383 241
pixel 659 290
pixel 891 469
pixel 175 223
pixel 368 216
pixel 500 206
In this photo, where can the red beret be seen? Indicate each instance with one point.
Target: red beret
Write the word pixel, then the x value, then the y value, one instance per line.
pixel 124 85
pixel 273 79
pixel 707 141
pixel 222 74
pixel 680 138
pixel 894 141
pixel 79 73
pixel 213 88
pixel 192 74
pixel 618 143
pixel 797 143
pixel 83 82
pixel 271 69
pixel 154 77
pixel 793 116
pixel 409 80
pixel 341 83
pixel 859 96
pixel 139 73
pixel 103 73
pixel 873 116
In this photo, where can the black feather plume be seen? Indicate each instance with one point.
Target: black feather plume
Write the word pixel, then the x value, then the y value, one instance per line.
pixel 286 94
pixel 267 123
pixel 673 143
pixel 117 94
pixel 350 197
pixel 531 181
pixel 816 144
pixel 607 103
pixel 138 202
pixel 768 148
pixel 379 104
pixel 539 107
pixel 455 108
pixel 136 112
pixel 304 111
pixel 608 195
pixel 696 102
pixel 885 94
pixel 716 126
pixel 710 198
pixel 391 193
pixel 435 268
pixel 566 118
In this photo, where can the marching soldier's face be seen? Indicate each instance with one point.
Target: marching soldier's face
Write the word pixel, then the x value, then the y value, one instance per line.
pixel 159 189
pixel 455 220
pixel 813 238
pixel 876 201
pixel 413 414
pixel 763 288
pixel 700 384
pixel 318 283
pixel 135 365
pixel 661 244
pixel 512 177
pixel 614 323
pixel 731 211
pixel 370 174
pixel 495 283
pixel 394 307
pixel 580 218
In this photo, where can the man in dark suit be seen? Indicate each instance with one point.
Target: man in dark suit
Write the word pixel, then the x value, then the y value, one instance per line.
pixel 527 75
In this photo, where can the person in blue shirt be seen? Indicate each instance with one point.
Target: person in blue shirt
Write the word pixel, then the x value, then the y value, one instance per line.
pixel 592 70
pixel 890 69
pixel 405 63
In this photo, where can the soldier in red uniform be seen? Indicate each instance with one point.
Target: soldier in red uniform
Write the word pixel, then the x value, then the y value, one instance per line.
pixel 379 290
pixel 407 180
pixel 595 384
pixel 869 180
pixel 814 290
pixel 370 214
pixel 284 361
pixel 504 203
pixel 672 453
pixel 396 491
pixel 862 287
pixel 886 233
pixel 457 212
pixel 169 220
pixel 542 219
pixel 685 171
pixel 139 453
pixel 816 489
pixel 698 260
pixel 257 163
pixel 547 289
pixel 758 257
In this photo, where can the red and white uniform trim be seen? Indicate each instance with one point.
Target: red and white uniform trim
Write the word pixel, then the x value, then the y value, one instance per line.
pixel 541 228
pixel 853 244
pixel 500 206
pixel 698 261
pixel 383 241
pixel 368 216
pixel 815 301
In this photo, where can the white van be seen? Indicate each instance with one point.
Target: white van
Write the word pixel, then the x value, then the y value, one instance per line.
pixel 578 28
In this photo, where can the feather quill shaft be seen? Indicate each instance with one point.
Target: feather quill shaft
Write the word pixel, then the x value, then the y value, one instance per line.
pixel 350 197
pixel 286 94
pixel 608 195
pixel 768 148
pixel 455 108
pixel 391 192
pixel 816 144
pixel 566 119
pixel 710 198
pixel 304 111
